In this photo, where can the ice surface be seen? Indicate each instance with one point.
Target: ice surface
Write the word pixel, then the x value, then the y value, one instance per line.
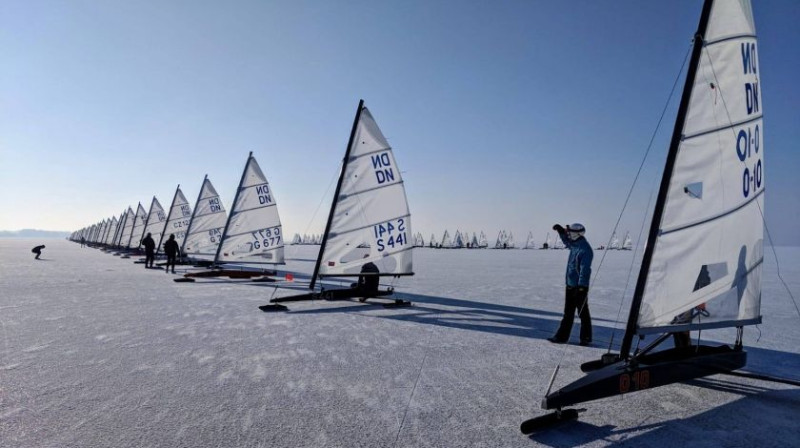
pixel 100 352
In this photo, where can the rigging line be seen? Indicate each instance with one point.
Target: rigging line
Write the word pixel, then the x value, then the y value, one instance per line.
pixel 760 210
pixel 324 195
pixel 633 261
pixel 633 184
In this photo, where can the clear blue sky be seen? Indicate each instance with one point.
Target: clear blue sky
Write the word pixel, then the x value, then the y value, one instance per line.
pixel 503 115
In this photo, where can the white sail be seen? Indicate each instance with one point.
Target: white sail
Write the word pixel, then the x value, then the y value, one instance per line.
pixel 458 240
pixel 482 241
pixel 253 233
pixel 510 244
pixel 529 244
pixel 137 233
pixel 708 252
pixel 207 224
pixel 614 242
pixel 178 219
pixel 125 236
pixel 155 221
pixel 627 243
pixel 111 230
pixel 297 239
pixel 447 243
pixel 371 208
pixel 433 242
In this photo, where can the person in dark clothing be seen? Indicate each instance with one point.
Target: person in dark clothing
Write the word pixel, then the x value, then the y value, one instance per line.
pixel 368 284
pixel 172 251
pixel 579 269
pixel 38 251
pixel 684 338
pixel 83 241
pixel 149 250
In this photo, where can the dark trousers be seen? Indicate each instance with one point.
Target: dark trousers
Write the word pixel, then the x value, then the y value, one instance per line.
pixel 149 258
pixel 575 301
pixel 170 262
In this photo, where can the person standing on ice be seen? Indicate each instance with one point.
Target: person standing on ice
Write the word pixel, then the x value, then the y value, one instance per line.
pixel 172 250
pixel 579 269
pixel 149 250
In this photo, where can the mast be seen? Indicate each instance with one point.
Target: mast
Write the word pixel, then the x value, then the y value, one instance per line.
pixel 336 194
pixel 169 215
pixel 194 211
pixel 230 215
pixel 661 200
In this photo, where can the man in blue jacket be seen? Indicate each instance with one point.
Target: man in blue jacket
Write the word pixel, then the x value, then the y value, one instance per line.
pixel 579 270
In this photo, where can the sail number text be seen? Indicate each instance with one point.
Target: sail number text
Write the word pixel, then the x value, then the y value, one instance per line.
pixel 382 164
pixel 266 237
pixel 748 140
pixel 637 380
pixel 391 234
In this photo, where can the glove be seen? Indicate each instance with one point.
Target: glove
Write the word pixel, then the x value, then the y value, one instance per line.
pixel 558 228
pixel 583 289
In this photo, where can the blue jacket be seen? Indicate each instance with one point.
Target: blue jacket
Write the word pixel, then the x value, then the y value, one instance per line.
pixel 579 264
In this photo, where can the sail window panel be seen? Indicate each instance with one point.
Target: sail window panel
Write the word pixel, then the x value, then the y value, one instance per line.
pixel 731 169
pixel 730 18
pixel 725 91
pixel 671 280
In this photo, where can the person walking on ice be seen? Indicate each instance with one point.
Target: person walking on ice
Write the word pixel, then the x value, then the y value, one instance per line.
pixel 149 250
pixel 579 269
pixel 38 251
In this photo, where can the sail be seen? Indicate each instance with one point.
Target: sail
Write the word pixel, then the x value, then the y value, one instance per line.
pixel 125 236
pixel 178 219
pixel 614 242
pixel 529 244
pixel 111 229
pixel 253 233
pixel 371 207
pixel 155 221
pixel 432 242
pixel 138 227
pixel 483 242
pixel 447 243
pixel 458 240
pixel 706 263
pixel 207 224
pixel 627 243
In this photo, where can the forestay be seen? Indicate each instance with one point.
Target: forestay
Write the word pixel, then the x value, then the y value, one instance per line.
pixel 706 266
pixel 207 224
pixel 253 233
pixel 370 220
pixel 178 219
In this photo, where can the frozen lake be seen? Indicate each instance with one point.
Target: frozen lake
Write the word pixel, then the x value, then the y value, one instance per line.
pixel 99 352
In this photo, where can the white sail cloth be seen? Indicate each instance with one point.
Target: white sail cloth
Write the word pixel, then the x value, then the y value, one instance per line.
pixel 371 210
pixel 178 219
pixel 208 222
pixel 708 254
pixel 155 221
pixel 253 233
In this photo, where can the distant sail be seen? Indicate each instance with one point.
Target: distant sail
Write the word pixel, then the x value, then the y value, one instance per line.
pixel 529 244
pixel 110 234
pixel 447 243
pixel 155 221
pixel 178 219
pixel 207 224
pixel 125 236
pixel 253 233
pixel 137 233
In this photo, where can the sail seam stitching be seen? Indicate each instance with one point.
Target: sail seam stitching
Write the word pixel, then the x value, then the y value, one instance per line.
pixel 729 126
pixel 725 39
pixel 365 227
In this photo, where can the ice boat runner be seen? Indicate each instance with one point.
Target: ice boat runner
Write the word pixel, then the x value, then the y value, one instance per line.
pixel 369 208
pixel 253 234
pixel 206 226
pixel 703 258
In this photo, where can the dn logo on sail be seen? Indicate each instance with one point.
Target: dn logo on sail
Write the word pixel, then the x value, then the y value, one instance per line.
pixel 383 168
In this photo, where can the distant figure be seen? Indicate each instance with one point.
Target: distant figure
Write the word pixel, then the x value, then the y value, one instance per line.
pixel 579 269
pixel 83 241
pixel 368 284
pixel 149 250
pixel 38 251
pixel 172 251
